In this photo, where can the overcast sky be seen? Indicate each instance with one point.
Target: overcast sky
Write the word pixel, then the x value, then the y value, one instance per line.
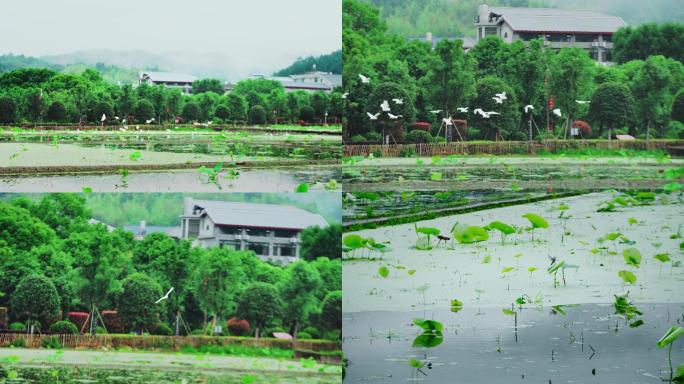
pixel 250 33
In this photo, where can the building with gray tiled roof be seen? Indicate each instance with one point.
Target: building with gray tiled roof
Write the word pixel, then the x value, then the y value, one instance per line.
pixel 168 79
pixel 559 28
pixel 271 231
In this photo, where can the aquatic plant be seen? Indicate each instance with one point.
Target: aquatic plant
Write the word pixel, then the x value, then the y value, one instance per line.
pixel 669 338
pixel 456 305
pixel 432 333
pixel 466 234
pixel 428 232
pixel 536 222
pixel 626 309
pixel 628 277
pixel 302 188
pixel 560 266
pixel 632 257
pixel 383 271
pixel 504 228
pixel 212 173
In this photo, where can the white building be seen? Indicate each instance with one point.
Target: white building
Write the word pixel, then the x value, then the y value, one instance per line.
pixel 592 31
pixel 168 79
pixel 271 231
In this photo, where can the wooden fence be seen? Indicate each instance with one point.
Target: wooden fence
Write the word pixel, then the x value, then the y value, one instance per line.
pixel 165 342
pixel 502 147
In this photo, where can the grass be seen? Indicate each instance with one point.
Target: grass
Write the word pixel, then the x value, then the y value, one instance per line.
pixel 239 350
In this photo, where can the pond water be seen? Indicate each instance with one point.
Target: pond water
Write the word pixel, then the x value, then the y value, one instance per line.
pixel 482 345
pixel 284 179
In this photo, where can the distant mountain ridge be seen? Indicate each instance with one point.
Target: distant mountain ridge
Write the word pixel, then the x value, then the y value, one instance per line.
pixel 331 62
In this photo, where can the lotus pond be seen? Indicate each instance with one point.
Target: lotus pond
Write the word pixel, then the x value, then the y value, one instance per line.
pixel 575 289
pixel 513 173
pixel 72 366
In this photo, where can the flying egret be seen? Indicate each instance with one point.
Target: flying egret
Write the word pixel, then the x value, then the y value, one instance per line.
pixel 528 108
pixel 557 112
pixel 447 121
pixel 344 95
pixel 364 79
pixel 103 118
pixel 385 106
pixel 123 121
pixel 372 116
pixel 478 111
pixel 116 118
pixel 487 115
pixel 150 120
pixel 436 111
pixel 582 101
pixel 498 99
pixel 164 297
pixel 501 95
pixel 398 101
pixel 463 109
pixel 393 117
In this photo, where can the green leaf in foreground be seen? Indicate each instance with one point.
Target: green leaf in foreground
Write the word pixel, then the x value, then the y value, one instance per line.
pixel 632 257
pixel 415 363
pixel 302 188
pixel 507 311
pixel 670 336
pixel 383 271
pixel 628 277
pixel 429 325
pixel 536 220
pixel 663 257
pixel 87 190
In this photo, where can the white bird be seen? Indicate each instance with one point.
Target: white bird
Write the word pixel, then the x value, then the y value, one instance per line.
pixel 364 79
pixel 501 95
pixel 393 117
pixel 582 101
pixel 498 100
pixel 463 109
pixel 103 118
pixel 486 115
pixel 123 121
pixel 528 108
pixel 398 101
pixel 385 106
pixel 116 118
pixel 557 112
pixel 164 297
pixel 150 120
pixel 344 95
pixel 448 121
pixel 436 111
pixel 373 117
pixel 478 110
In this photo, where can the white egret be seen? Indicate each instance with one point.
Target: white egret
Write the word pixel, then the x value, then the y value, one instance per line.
pixel 436 111
pixel 582 101
pixel 393 117
pixel 164 297
pixel 398 101
pixel 528 108
pixel 498 100
pixel 463 109
pixel 557 112
pixel 478 111
pixel 501 95
pixel 344 95
pixel 487 115
pixel 364 79
pixel 448 121
pixel 372 116
pixel 385 106
pixel 103 118
pixel 149 121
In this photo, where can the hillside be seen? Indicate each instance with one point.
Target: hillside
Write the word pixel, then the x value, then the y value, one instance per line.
pixel 327 63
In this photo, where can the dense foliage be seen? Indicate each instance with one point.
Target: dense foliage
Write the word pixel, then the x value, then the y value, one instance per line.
pixel 43 95
pixel 54 265
pixel 331 62
pixel 446 78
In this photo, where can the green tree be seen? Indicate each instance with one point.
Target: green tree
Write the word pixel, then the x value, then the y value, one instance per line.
pixel 257 115
pixel 650 87
pixel 144 110
pixel 136 304
pixel 506 125
pixel 331 310
pixel 207 85
pixel 191 111
pixel 298 292
pixel 306 113
pixel 8 110
pixel 219 277
pixel 388 92
pixel 678 106
pixel 260 305
pixel 57 112
pixel 36 297
pixel 612 106
pixel 222 112
pixel 321 242
pixel 571 79
pixel 238 107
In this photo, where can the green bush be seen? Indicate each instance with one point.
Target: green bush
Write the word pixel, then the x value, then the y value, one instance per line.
pixel 8 110
pixel 17 327
pixel 162 329
pixel 199 332
pixel 304 335
pixel 407 152
pixel 64 328
pixel 358 139
pixel 306 113
pixel 57 112
pixel 51 342
pixel 311 331
pixel 333 335
pixel 417 136
pixel 18 343
pixel 257 115
pixel 374 137
pixel 191 111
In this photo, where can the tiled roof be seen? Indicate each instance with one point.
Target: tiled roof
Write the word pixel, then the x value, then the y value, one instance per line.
pixel 558 20
pixel 259 215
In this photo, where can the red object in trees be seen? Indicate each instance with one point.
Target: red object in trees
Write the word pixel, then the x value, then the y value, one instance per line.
pixel 584 127
pixel 422 125
pixel 551 102
pixel 78 318
pixel 237 327
pixel 112 321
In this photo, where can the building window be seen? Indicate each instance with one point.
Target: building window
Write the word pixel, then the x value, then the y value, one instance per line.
pixel 491 31
pixel 258 232
pixel 505 34
pixel 230 230
pixel 586 38
pixel 193 227
pixel 527 36
pixel 260 249
pixel 608 55
pixel 286 233
pixel 234 244
pixel 287 250
pixel 608 38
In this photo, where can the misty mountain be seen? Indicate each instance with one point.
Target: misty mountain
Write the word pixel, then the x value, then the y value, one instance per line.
pixel 326 63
